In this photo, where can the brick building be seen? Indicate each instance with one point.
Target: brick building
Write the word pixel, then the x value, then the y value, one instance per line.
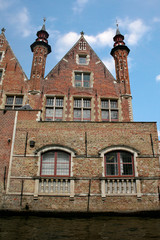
pixel 68 139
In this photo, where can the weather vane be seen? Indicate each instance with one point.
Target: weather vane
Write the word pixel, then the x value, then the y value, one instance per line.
pixel 44 19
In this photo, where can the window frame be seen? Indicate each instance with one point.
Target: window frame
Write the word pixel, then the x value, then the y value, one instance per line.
pixel 80 56
pixel 1 74
pixel 82 108
pixel 118 152
pixel 14 105
pixel 55 163
pixel 54 107
pixel 110 110
pixel 82 81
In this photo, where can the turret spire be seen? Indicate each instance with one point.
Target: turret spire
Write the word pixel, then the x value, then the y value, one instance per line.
pixel 40 49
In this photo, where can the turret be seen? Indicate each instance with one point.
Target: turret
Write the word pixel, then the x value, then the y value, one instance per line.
pixel 40 49
pixel 120 53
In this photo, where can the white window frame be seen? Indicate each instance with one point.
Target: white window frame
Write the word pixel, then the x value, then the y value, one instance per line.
pixel 82 108
pixel 14 105
pixel 110 110
pixel 82 78
pixel 54 107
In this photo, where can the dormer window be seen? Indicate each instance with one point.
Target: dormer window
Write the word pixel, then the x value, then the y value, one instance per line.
pixel 82 59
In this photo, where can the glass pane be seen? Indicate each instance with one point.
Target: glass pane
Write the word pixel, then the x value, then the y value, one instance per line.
pixel 58 113
pixel 127 169
pixel 114 104
pixel 114 114
pixel 86 76
pixel 59 102
pixel 49 112
pixel 86 80
pixel 1 74
pixel 82 59
pixel 8 107
pixel 77 103
pixel 77 114
pixel 125 157
pixel 63 163
pixel 86 103
pixel 50 101
pixel 78 76
pixel 86 114
pixel 111 157
pixel 19 100
pixel 10 100
pixel 48 161
pixel 78 84
pixel 104 104
pixel 0 59
pixel 112 169
pixel 62 157
pixel 105 115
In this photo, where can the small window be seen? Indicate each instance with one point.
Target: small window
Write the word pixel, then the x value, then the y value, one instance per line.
pixel 109 110
pixel 1 74
pixel 82 59
pixel 54 109
pixel 119 163
pixel 55 163
pixel 82 109
pixel 14 102
pixel 82 79
pixel 0 56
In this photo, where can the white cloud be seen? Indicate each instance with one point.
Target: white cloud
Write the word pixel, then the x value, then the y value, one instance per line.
pixel 158 78
pixel 21 22
pixel 64 43
pixel 79 5
pixel 4 4
pixel 159 134
pixel 156 19
pixel 136 30
pixel 110 64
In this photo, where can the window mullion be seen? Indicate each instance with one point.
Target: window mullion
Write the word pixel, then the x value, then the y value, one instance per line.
pixel 82 106
pixel 119 164
pixel 109 109
pixel 55 164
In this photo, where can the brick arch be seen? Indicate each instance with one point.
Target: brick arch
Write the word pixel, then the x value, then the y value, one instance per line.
pixel 50 147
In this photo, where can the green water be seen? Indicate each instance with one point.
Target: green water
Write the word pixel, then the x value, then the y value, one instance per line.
pixel 95 228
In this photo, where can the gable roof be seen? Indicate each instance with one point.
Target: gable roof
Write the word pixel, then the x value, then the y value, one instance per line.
pixel 74 46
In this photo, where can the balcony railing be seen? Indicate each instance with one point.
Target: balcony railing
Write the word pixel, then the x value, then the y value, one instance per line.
pixel 54 186
pixel 120 186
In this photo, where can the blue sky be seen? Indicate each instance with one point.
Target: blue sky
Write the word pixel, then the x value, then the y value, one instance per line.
pixel 139 22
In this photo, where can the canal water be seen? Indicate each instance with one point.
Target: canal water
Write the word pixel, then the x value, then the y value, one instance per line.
pixel 93 228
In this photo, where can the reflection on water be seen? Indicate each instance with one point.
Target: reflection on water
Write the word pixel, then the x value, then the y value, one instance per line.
pixel 95 228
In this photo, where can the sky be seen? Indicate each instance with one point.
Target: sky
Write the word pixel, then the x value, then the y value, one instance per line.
pixel 138 20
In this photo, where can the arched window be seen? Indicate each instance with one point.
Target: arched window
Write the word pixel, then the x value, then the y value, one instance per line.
pixel 55 163
pixel 119 163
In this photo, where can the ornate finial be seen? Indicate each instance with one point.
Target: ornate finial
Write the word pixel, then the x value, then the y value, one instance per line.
pixel 117 23
pixel 3 30
pixel 117 31
pixel 44 20
pixel 82 33
pixel 43 27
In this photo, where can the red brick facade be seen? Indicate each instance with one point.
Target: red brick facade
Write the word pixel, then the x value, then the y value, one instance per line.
pixel 58 132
